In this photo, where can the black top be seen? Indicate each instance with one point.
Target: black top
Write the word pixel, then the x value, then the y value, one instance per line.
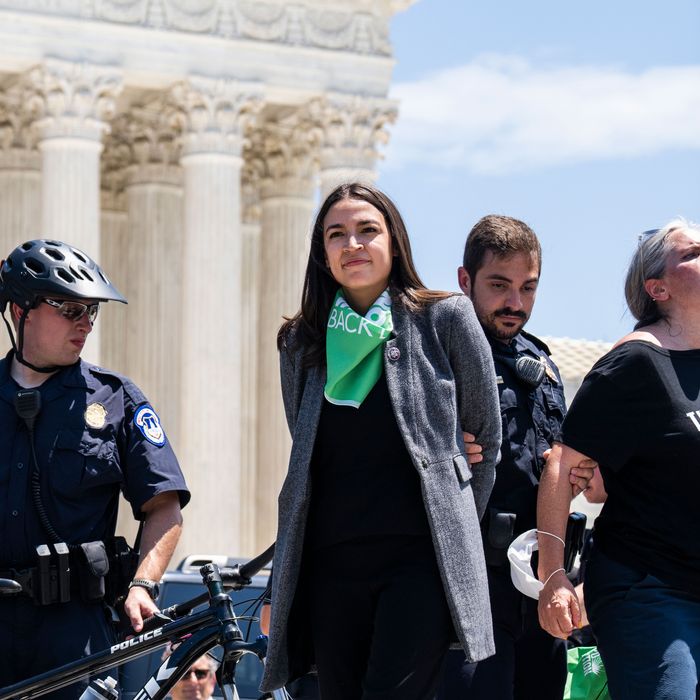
pixel 638 414
pixel 363 481
pixel 95 435
pixel 531 421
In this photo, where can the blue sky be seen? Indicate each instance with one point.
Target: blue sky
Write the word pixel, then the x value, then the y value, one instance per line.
pixel 583 120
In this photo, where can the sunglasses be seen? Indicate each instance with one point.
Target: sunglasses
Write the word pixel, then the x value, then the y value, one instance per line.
pixel 74 310
pixel 199 673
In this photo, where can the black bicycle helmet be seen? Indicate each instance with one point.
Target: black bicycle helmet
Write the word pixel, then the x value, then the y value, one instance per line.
pixel 43 268
pixel 39 269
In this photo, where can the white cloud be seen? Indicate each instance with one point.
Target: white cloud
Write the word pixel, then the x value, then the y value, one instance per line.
pixel 501 114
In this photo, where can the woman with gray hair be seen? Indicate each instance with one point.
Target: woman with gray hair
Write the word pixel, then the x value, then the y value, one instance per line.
pixel 638 415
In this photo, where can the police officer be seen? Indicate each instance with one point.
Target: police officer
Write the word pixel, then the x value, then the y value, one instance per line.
pixel 72 436
pixel 500 273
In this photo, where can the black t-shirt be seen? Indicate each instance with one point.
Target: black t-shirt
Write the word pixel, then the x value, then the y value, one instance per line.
pixel 638 414
pixel 363 481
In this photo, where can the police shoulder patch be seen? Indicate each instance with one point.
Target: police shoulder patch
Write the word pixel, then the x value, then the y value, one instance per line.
pixel 147 421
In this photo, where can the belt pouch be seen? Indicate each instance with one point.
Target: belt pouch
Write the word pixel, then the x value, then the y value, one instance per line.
pixel 62 571
pixel 41 584
pixel 94 568
pixel 499 535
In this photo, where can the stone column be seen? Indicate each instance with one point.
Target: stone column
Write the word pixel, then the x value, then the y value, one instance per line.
pixel 71 102
pixel 250 300
pixel 351 127
pixel 114 227
pixel 154 254
pixel 289 162
pixel 20 181
pixel 113 259
pixel 116 157
pixel 214 116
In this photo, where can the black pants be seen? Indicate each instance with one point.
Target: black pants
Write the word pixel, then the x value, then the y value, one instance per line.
pixel 528 663
pixel 35 639
pixel 380 622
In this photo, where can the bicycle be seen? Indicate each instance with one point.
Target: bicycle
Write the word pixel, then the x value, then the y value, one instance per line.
pixel 195 633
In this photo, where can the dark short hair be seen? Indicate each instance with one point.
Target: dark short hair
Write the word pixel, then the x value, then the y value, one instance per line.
pixel 501 235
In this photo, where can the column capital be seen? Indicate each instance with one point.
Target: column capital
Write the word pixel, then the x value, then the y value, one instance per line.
pixel 214 114
pixel 250 193
pixel 285 153
pixel 144 146
pixel 116 158
pixel 16 130
pixel 70 99
pixel 351 127
pixel 17 137
pixel 152 134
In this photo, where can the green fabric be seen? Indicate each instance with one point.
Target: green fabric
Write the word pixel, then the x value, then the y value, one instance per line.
pixel 354 349
pixel 586 678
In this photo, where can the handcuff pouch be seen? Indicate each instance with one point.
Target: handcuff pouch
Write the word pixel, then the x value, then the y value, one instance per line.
pixel 497 535
pixel 94 567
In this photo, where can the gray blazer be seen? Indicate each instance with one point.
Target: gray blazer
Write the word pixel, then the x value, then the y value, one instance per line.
pixel 441 380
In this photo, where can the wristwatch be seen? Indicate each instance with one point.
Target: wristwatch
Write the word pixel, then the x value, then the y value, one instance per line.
pixel 151 586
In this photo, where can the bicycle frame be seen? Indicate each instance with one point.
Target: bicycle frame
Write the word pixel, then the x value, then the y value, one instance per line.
pixel 217 625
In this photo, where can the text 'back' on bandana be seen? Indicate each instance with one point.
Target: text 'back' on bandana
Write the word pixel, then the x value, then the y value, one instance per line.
pixel 354 349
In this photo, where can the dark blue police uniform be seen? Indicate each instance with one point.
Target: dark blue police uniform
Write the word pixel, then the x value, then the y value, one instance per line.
pixel 528 663
pixel 95 436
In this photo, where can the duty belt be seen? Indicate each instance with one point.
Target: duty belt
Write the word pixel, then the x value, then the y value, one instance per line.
pixel 49 581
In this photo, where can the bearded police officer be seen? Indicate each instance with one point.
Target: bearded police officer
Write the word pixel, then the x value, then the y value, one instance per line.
pixel 500 273
pixel 72 436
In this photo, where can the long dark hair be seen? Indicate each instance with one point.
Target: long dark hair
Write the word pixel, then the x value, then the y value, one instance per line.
pixel 320 287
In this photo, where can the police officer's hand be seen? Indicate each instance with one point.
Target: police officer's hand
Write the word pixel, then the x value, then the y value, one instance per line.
pixel 580 475
pixel 472 448
pixel 138 606
pixel 558 607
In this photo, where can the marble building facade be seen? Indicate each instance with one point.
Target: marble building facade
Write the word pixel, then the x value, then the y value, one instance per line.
pixel 184 144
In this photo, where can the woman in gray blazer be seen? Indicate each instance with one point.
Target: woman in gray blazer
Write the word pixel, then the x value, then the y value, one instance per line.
pixel 379 563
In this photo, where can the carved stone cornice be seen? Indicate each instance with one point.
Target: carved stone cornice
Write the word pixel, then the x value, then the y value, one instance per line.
pixel 357 27
pixel 350 129
pixel 70 99
pixel 285 152
pixel 214 115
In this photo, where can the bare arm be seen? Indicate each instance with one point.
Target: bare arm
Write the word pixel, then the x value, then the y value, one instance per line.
pixel 265 618
pixel 161 532
pixel 559 608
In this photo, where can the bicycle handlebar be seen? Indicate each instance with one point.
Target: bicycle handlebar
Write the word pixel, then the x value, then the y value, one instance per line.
pixel 252 567
pixel 234 577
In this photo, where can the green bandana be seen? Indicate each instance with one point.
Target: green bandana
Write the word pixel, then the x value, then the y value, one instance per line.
pixel 354 349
